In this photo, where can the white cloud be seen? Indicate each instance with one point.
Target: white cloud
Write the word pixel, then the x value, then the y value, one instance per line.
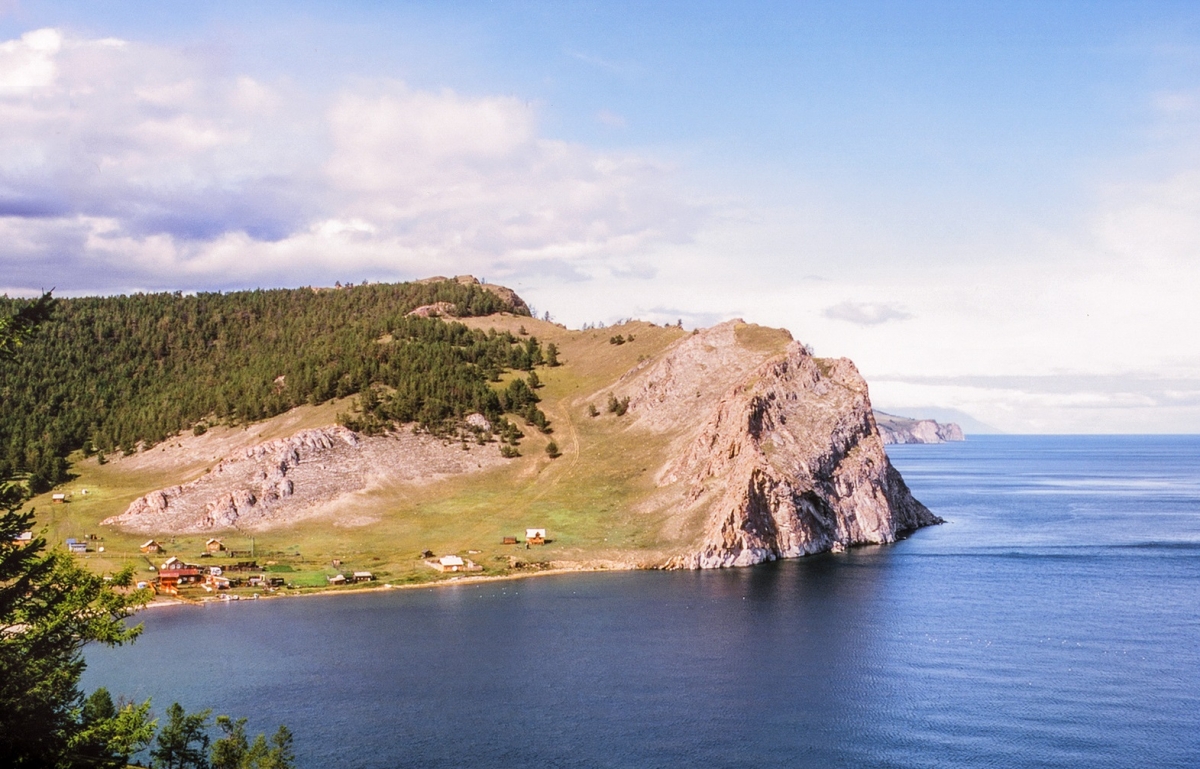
pixel 866 313
pixel 125 165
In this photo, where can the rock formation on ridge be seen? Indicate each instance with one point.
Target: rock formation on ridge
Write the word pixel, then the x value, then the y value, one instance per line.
pixel 786 462
pixel 895 429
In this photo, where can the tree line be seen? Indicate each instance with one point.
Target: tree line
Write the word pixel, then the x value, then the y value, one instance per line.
pixel 108 374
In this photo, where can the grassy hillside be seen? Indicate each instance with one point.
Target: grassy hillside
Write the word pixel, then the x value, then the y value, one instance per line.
pixel 588 498
pixel 107 374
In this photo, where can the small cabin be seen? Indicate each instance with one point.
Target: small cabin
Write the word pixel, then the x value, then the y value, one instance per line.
pixel 24 538
pixel 454 563
pixel 510 540
pixel 172 563
pixel 58 498
pixel 75 546
pixel 363 576
pixel 535 536
pixel 336 579
pixel 151 547
pixel 213 546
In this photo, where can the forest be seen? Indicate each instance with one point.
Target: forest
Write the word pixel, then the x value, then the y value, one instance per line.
pixel 108 374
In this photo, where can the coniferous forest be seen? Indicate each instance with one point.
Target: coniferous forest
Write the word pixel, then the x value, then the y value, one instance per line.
pixel 108 374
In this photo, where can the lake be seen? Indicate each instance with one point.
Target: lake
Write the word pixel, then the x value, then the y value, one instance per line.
pixel 1053 621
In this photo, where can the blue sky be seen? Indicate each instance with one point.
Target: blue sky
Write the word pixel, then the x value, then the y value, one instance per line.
pixel 991 207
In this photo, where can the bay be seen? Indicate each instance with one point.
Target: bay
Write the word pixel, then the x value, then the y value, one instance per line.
pixel 1051 622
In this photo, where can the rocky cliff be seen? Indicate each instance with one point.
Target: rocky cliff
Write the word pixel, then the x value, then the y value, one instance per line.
pixel 284 481
pixel 895 429
pixel 786 461
pixel 735 446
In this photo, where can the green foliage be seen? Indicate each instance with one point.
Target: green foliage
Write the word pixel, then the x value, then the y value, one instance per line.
pixel 552 355
pixel 618 339
pixel 182 743
pixel 110 374
pixel 592 411
pixel 109 735
pixel 49 609
pixel 552 450
pixel 617 405
pixel 17 325
pixel 509 451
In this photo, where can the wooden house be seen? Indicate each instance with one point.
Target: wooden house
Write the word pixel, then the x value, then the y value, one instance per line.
pixel 535 536
pixel 24 538
pixel 58 498
pixel 213 546
pixel 510 540
pixel 170 579
pixel 151 547
pixel 454 563
pixel 363 576
pixel 336 579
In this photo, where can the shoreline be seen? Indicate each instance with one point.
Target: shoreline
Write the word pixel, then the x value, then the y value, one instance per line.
pixel 160 602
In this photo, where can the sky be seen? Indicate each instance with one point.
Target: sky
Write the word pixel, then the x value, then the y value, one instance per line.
pixel 992 208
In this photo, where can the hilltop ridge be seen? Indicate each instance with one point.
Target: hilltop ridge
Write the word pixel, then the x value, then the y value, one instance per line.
pixel 726 446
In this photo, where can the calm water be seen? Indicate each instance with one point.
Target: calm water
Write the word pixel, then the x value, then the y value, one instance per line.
pixel 1052 622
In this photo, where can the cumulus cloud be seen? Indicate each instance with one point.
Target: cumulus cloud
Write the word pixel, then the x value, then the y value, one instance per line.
pixel 124 165
pixel 866 313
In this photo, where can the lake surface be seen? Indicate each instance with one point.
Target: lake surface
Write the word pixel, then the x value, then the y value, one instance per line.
pixel 1054 621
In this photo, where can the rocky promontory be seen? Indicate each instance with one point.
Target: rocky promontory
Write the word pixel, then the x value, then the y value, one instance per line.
pixel 896 429
pixel 727 446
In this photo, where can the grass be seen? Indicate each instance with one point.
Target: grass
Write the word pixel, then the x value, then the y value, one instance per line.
pixel 595 500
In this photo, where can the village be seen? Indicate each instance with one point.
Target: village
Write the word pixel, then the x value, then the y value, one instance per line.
pixel 224 573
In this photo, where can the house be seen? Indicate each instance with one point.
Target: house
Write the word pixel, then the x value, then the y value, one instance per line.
pixel 151 547
pixel 454 563
pixel 170 579
pixel 217 582
pixel 172 563
pixel 510 540
pixel 213 546
pixel 24 538
pixel 336 579
pixel 58 498
pixel 75 546
pixel 363 576
pixel 214 571
pixel 535 536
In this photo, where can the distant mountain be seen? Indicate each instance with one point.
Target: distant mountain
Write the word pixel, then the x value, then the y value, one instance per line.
pixel 969 424
pixel 896 429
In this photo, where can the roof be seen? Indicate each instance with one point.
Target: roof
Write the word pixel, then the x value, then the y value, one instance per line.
pixel 362 574
pixel 214 539
pixel 535 532
pixel 148 543
pixel 58 496
pixel 450 560
pixel 71 540
pixel 25 536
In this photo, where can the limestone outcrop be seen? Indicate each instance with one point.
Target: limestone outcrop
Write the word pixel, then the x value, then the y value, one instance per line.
pixel 786 461
pixel 284 481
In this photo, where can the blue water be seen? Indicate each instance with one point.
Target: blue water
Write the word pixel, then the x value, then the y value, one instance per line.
pixel 1052 622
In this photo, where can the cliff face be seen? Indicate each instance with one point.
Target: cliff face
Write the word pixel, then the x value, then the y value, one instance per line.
pixel 284 481
pixel 788 461
pixel 896 429
pixel 737 447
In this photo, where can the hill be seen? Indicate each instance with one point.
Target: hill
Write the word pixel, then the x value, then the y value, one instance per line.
pixel 726 446
pixel 897 429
